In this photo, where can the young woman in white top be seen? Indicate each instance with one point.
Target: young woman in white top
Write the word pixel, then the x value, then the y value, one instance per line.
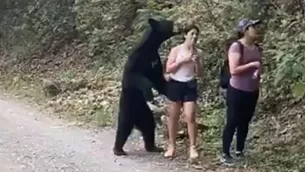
pixel 183 66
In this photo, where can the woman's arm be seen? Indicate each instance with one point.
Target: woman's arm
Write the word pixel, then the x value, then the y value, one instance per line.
pixel 171 64
pixel 234 61
pixel 261 66
pixel 199 63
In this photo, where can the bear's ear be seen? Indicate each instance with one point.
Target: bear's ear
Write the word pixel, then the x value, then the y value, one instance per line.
pixel 152 22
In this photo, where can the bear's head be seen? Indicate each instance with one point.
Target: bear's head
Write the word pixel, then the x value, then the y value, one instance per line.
pixel 145 58
pixel 164 29
pixel 158 32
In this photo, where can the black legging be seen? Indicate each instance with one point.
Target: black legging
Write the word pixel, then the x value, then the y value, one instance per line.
pixel 240 110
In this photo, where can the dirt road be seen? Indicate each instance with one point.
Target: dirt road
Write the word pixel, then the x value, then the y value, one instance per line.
pixel 34 142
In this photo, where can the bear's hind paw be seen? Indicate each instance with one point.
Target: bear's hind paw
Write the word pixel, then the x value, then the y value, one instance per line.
pixel 155 149
pixel 119 152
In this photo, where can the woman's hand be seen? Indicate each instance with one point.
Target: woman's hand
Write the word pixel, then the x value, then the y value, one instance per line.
pixel 195 58
pixel 167 77
pixel 255 64
pixel 258 72
pixel 185 60
pixel 255 74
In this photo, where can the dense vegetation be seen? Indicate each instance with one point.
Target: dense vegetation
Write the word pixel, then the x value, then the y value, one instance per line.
pixel 81 46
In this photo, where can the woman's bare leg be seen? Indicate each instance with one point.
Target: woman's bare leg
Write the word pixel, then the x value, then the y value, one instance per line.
pixel 190 111
pixel 174 113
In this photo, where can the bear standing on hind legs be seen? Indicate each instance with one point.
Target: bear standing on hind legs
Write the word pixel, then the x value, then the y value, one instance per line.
pixel 142 68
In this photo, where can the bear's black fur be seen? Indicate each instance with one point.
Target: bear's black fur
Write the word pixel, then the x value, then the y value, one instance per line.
pixel 142 71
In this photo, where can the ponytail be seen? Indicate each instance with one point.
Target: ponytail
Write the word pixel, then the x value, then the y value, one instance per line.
pixel 240 35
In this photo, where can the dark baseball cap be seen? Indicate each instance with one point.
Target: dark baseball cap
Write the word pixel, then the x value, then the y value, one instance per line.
pixel 245 23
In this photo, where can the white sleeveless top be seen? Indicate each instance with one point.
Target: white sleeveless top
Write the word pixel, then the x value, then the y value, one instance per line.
pixel 186 72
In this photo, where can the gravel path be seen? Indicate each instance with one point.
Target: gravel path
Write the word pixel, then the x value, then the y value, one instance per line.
pixel 33 142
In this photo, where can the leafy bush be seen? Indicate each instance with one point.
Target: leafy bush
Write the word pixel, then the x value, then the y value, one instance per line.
pixel 32 25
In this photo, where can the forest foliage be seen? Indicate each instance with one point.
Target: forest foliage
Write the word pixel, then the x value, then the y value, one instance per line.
pixel 109 28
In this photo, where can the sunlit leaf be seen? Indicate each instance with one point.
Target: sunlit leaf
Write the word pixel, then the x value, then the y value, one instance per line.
pixel 298 89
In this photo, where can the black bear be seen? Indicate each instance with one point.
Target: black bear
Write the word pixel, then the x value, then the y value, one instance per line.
pixel 142 71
